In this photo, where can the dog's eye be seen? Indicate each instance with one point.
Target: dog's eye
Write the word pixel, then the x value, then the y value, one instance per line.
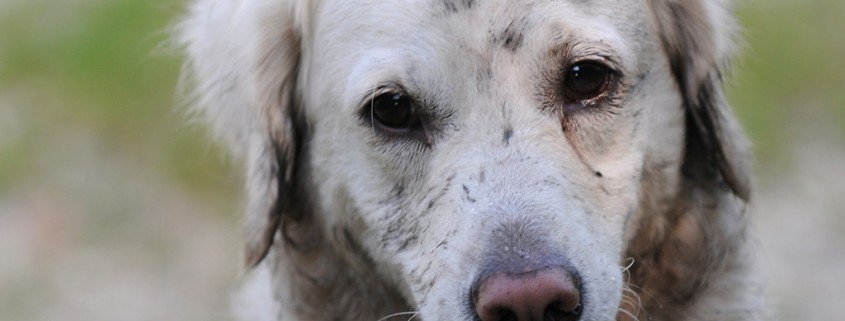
pixel 586 80
pixel 394 111
pixel 394 114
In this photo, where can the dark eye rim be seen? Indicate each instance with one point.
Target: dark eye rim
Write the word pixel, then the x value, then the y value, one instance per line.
pixel 416 128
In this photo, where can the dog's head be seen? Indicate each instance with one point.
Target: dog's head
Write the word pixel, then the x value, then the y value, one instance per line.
pixel 489 160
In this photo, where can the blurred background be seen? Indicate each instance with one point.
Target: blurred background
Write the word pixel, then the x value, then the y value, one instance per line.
pixel 113 208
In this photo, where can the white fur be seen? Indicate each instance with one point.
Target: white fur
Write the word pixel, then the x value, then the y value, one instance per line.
pixel 397 226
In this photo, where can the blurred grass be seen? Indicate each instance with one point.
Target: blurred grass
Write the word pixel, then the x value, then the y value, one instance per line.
pixel 97 65
pixel 111 207
pixel 792 69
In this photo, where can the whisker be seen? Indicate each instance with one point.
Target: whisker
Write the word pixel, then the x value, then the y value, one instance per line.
pixel 632 299
pixel 628 268
pixel 631 293
pixel 413 314
pixel 629 314
pixel 651 296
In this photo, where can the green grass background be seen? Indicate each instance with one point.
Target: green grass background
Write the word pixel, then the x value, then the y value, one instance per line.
pixel 99 65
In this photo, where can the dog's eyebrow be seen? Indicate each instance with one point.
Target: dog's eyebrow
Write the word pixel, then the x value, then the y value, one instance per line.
pixel 578 49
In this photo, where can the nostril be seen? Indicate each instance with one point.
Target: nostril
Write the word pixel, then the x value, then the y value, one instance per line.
pixel 507 315
pixel 558 311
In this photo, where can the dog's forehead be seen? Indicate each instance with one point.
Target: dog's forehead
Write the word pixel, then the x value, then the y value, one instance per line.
pixel 475 23
pixel 448 43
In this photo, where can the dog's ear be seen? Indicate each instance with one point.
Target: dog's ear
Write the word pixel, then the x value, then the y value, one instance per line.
pixel 242 59
pixel 698 38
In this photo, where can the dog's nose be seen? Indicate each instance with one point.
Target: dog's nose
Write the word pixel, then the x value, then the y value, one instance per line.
pixel 543 295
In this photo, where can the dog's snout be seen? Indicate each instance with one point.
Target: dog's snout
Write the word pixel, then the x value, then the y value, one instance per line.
pixel 541 295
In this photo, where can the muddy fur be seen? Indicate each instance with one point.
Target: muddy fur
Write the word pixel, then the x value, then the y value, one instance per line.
pixel 642 192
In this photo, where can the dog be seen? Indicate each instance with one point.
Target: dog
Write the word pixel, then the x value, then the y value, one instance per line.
pixel 479 159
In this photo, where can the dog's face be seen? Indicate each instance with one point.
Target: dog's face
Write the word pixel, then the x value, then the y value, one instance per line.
pixel 463 149
pixel 456 140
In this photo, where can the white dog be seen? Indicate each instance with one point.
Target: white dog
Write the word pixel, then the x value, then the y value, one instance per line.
pixel 481 159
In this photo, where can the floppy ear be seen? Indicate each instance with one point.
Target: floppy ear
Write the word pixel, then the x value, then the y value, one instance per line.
pixel 242 59
pixel 698 37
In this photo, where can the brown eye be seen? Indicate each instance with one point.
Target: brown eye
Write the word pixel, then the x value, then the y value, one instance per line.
pixel 394 111
pixel 586 80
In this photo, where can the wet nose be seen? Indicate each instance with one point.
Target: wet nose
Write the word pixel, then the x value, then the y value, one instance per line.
pixel 544 295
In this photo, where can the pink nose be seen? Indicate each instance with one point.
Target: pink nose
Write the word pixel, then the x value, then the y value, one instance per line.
pixel 549 294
